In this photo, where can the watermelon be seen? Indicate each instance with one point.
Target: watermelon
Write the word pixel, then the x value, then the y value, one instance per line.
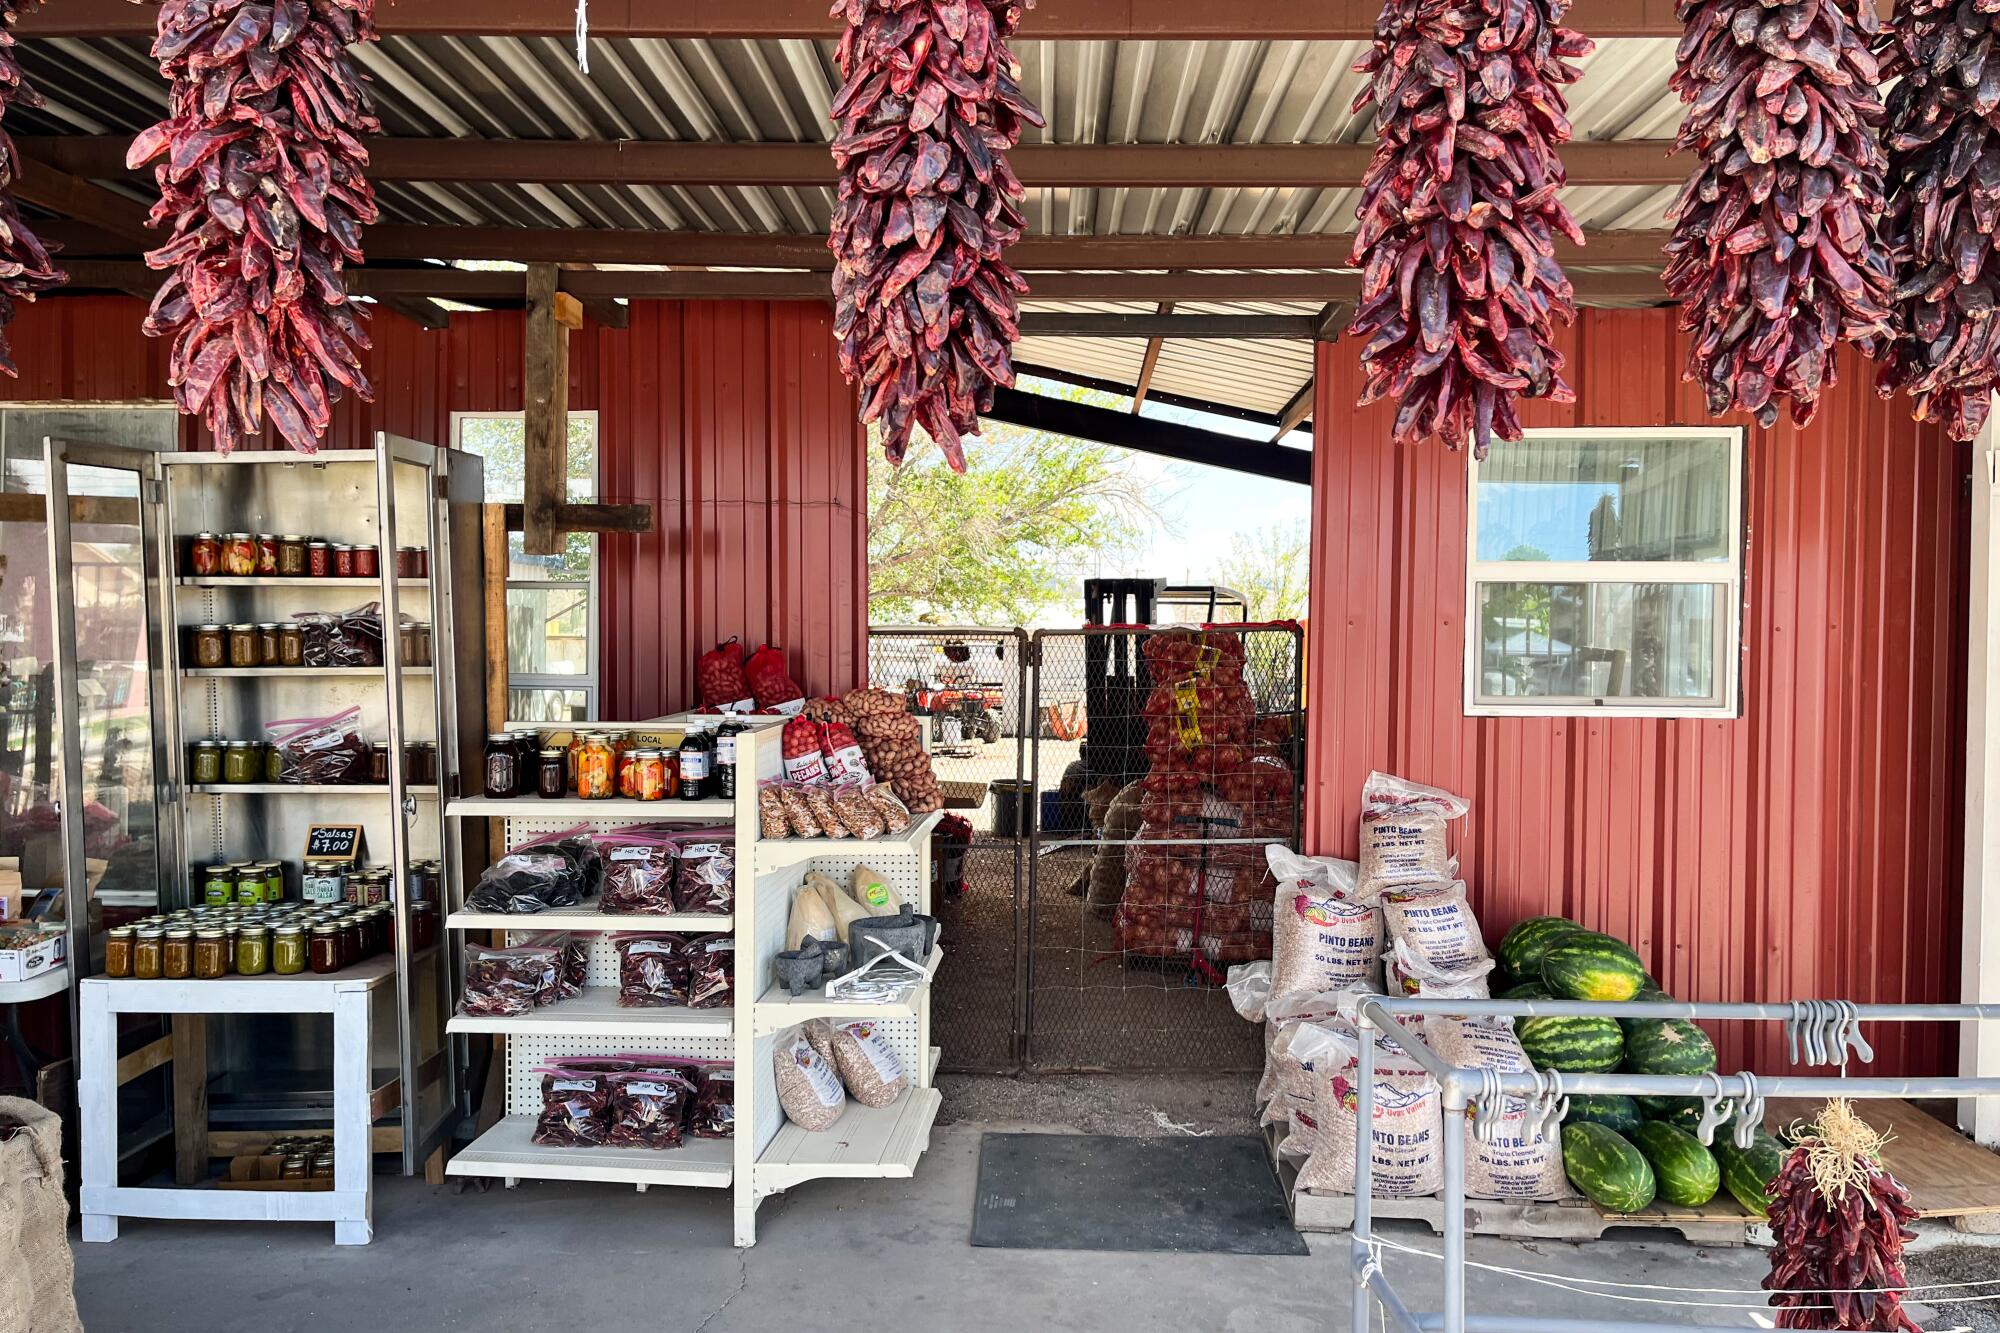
pixel 1650 990
pixel 1683 1111
pixel 1526 990
pixel 1521 948
pixel 1747 1173
pixel 1668 1046
pixel 1606 1168
pixel 1573 1045
pixel 1619 1113
pixel 1588 966
pixel 1687 1173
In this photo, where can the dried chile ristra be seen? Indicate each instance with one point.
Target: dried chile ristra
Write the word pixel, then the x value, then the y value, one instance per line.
pixel 1775 256
pixel 1838 1265
pixel 261 178
pixel 1460 289
pixel 1943 141
pixel 925 307
pixel 25 267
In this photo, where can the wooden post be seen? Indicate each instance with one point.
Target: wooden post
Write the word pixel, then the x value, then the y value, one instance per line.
pixel 493 532
pixel 551 315
pixel 190 1040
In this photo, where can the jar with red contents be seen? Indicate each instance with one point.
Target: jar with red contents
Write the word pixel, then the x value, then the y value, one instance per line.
pixel 367 562
pixel 205 554
pixel 239 555
pixel 319 560
pixel 267 553
pixel 343 561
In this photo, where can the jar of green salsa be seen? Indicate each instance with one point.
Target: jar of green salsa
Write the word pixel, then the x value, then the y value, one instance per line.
pixel 218 885
pixel 288 951
pixel 242 763
pixel 205 769
pixel 253 951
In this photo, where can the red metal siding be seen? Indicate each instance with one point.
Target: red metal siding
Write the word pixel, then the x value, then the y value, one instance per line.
pixel 730 418
pixel 1809 848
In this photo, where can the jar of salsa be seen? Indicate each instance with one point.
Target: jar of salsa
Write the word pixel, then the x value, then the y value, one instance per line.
pixel 205 554
pixel 148 953
pixel 423 926
pixel 528 752
pixel 243 646
pixel 378 763
pixel 406 639
pixel 422 761
pixel 253 951
pixel 291 644
pixel 350 939
pixel 250 880
pixel 210 646
pixel 118 951
pixel 268 653
pixel 177 955
pixel 288 950
pixel 274 880
pixel 319 560
pixel 267 553
pixel 409 562
pixel 326 947
pixel 239 554
pixel 205 764
pixel 503 765
pixel 209 961
pixel 650 780
pixel 292 556
pixel 343 561
pixel 241 762
pixel 552 775
pixel 596 770
pixel 367 562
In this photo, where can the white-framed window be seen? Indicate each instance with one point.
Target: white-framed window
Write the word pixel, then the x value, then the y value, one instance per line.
pixel 1604 573
pixel 552 625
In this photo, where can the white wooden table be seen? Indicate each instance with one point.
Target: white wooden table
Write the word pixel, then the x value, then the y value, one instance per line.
pixel 349 1205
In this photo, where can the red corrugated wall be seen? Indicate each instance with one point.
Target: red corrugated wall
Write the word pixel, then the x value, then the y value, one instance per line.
pixel 1809 848
pixel 730 418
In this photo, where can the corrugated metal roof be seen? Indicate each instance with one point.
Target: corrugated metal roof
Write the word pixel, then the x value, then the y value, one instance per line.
pixel 1249 92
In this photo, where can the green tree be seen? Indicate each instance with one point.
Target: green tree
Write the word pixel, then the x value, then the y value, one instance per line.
pixel 1271 567
pixel 1030 515
pixel 502 443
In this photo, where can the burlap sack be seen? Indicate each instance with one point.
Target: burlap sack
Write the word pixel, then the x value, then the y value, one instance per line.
pixel 37 1277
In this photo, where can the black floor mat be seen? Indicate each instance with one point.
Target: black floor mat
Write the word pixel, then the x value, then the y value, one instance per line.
pixel 1101 1192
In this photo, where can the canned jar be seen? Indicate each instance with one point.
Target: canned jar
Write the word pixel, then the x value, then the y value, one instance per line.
pixel 421 763
pixel 253 951
pixel 378 763
pixel 250 885
pixel 274 880
pixel 409 562
pixel 288 950
pixel 325 947
pixel 274 763
pixel 319 560
pixel 205 554
pixel 423 926
pixel 177 954
pixel 239 554
pixel 210 959
pixel 292 556
pixel 291 644
pixel 209 645
pixel 205 765
pixel 242 762
pixel 367 562
pixel 148 953
pixel 343 561
pixel 267 553
pixel 118 951
pixel 595 768
pixel 552 775
pixel 268 652
pixel 503 767
pixel 243 651
pixel 218 885
pixel 650 769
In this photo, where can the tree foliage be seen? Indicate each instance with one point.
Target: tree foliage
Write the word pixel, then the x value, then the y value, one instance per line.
pixel 1271 567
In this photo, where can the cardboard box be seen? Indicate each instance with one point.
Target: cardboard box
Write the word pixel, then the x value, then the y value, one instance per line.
pixel 26 964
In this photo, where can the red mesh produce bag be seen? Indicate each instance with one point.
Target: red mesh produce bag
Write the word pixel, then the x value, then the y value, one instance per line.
pixel 925 308
pixel 1943 141
pixel 1775 256
pixel 804 760
pixel 771 683
pixel 262 183
pixel 1460 289
pixel 719 671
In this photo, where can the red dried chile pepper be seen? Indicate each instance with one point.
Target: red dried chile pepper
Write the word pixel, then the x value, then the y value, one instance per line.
pixel 925 308
pixel 1776 256
pixel 1460 288
pixel 1943 141
pixel 262 181
pixel 26 270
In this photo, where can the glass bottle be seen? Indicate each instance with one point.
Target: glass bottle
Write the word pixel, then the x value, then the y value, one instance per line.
pixel 694 756
pixel 503 763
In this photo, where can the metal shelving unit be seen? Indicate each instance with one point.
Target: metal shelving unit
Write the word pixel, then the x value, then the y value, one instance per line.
pixel 768 1154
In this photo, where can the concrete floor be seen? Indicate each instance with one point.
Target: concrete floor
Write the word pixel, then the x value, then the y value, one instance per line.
pixel 831 1257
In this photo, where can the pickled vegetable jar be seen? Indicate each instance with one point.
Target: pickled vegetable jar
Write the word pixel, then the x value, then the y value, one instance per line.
pixel 595 770
pixel 239 554
pixel 205 554
pixel 218 885
pixel 205 765
pixel 210 646
pixel 243 645
pixel 291 644
pixel 267 553
pixel 292 556
pixel 242 762
pixel 650 769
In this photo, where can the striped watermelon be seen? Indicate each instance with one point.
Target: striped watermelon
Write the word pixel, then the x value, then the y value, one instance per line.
pixel 1619 1113
pixel 1526 990
pixel 1668 1046
pixel 1604 1165
pixel 1573 1045
pixel 1649 991
pixel 1521 948
pixel 1747 1173
pixel 1686 1172
pixel 1588 966
pixel 1682 1111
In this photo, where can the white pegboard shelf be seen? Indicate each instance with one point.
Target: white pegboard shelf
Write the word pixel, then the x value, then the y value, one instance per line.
pixel 777 1010
pixel 588 918
pixel 508 1150
pixel 865 1143
pixel 616 807
pixel 781 853
pixel 597 1013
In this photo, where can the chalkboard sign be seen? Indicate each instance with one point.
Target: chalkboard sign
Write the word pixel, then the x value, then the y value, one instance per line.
pixel 335 842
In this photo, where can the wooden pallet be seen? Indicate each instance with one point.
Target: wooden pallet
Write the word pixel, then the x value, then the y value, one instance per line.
pixel 1720 1222
pixel 1947 1174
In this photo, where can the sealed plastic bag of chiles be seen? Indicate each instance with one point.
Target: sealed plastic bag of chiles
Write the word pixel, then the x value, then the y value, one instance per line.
pixel 808 1088
pixel 576 1101
pixel 341 638
pixel 574 951
pixel 771 682
pixel 724 687
pixel 640 861
pixel 648 1107
pixel 320 751
pixel 711 961
pixel 1517 1161
pixel 1436 923
pixel 1402 830
pixel 1325 935
pixel 706 879
pixel 507 983
pixel 653 972
pixel 556 870
pixel 713 1115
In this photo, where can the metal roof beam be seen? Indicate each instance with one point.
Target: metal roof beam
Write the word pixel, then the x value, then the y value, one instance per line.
pixel 1093 20
pixel 685 163
pixel 1166 439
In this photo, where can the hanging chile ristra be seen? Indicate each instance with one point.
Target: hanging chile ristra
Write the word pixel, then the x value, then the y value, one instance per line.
pixel 25 267
pixel 1775 256
pixel 1460 288
pixel 1943 141
pixel 262 181
pixel 925 307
